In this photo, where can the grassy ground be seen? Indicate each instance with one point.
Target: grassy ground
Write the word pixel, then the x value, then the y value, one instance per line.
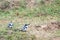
pixel 43 12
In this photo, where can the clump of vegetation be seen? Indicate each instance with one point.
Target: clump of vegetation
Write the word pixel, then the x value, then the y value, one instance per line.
pixel 16 35
pixel 4 5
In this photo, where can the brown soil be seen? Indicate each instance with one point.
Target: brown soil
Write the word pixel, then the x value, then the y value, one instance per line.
pixel 42 31
pixel 56 38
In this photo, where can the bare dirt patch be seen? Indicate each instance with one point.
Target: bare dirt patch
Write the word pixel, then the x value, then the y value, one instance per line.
pixel 56 38
pixel 44 30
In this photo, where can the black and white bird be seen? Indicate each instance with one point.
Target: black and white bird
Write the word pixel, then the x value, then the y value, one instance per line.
pixel 10 25
pixel 24 28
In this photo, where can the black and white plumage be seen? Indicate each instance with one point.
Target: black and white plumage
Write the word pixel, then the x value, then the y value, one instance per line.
pixel 10 25
pixel 25 27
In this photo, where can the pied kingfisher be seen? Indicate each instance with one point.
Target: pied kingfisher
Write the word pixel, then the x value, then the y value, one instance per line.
pixel 24 28
pixel 10 25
